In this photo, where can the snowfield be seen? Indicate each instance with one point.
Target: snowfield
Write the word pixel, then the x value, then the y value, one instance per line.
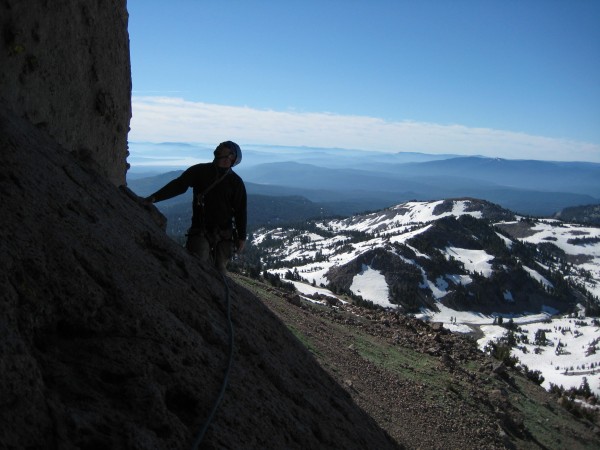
pixel 402 216
pixel 370 285
pixel 571 351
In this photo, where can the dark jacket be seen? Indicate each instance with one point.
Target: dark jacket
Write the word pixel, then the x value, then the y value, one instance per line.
pixel 224 202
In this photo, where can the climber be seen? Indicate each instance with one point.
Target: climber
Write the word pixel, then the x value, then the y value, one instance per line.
pixel 219 208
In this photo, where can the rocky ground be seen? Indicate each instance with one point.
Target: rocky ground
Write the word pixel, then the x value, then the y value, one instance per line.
pixel 427 387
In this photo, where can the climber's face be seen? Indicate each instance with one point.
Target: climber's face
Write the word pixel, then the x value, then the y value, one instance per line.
pixel 224 158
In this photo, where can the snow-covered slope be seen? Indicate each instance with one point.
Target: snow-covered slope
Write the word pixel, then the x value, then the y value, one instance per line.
pixel 468 254
pixel 576 246
pixel 391 220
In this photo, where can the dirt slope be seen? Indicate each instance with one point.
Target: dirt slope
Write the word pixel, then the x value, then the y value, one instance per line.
pixel 428 388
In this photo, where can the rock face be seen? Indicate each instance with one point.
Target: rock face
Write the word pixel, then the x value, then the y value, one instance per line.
pixel 111 335
pixel 65 67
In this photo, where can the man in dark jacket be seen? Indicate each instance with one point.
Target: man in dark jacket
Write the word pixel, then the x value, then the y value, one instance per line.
pixel 219 201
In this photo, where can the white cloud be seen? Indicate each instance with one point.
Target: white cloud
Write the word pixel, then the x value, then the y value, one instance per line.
pixel 160 119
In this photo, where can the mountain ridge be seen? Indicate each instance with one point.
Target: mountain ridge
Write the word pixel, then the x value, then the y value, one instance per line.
pixel 453 243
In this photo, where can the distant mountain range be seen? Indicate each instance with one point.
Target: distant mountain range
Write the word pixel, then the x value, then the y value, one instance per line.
pixel 346 182
pixel 527 187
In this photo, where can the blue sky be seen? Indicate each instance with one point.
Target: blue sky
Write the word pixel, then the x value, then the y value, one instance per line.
pixel 506 78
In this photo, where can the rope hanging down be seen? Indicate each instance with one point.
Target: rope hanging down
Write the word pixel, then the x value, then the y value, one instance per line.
pixel 200 435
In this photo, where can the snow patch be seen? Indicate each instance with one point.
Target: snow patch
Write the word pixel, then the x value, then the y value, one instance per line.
pixel 370 284
pixel 536 276
pixel 473 260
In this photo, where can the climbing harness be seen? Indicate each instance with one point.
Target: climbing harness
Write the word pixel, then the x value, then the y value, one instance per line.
pixel 200 435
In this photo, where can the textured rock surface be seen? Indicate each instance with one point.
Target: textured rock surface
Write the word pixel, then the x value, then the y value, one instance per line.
pixel 65 67
pixel 112 336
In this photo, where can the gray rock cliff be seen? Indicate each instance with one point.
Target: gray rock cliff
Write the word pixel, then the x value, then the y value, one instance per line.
pixel 65 67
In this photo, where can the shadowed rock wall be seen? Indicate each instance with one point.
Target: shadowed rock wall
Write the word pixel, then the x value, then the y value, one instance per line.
pixel 65 67
pixel 111 335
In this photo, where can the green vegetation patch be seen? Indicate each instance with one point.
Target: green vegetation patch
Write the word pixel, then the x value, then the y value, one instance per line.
pixel 404 362
pixel 258 288
pixel 304 340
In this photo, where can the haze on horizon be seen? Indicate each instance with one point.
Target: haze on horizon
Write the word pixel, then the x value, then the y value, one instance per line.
pixel 517 80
